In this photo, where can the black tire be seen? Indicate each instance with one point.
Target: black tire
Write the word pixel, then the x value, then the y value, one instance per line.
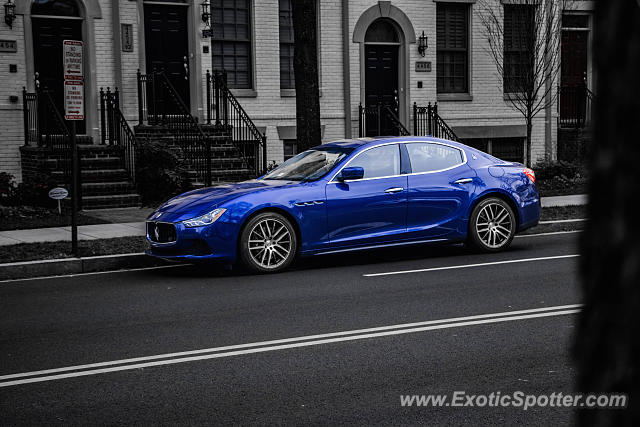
pixel 277 237
pixel 492 225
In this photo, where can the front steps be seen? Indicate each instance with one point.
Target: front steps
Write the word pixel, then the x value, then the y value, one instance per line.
pixel 227 164
pixel 105 183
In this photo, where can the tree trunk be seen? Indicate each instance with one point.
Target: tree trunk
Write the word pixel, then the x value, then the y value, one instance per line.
pixel 305 64
pixel 607 345
pixel 528 143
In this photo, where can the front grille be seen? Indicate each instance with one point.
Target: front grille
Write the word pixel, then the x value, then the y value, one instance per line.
pixel 161 232
pixel 196 247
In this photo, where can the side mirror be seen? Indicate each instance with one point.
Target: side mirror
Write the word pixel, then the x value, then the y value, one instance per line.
pixel 350 174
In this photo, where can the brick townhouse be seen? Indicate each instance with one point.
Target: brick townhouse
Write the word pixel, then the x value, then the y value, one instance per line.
pixel 398 53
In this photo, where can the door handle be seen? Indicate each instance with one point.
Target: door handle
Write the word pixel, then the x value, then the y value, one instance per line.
pixel 393 190
pixel 463 181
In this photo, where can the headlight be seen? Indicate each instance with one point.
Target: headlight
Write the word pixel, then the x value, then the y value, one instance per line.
pixel 206 219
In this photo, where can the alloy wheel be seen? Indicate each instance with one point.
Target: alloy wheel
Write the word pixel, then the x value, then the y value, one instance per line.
pixel 494 225
pixel 269 243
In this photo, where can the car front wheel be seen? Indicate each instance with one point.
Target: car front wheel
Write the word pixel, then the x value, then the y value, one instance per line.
pixel 492 225
pixel 268 243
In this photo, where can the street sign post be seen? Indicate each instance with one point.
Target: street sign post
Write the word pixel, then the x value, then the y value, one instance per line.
pixel 73 110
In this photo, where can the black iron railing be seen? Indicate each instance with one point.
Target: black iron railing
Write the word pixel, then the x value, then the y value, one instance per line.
pixel 160 104
pixel 43 123
pixel 115 130
pixel 45 127
pixel 379 120
pixel 576 106
pixel 224 109
pixel 427 122
pixel 393 118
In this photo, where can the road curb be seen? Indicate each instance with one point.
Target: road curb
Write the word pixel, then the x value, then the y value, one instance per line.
pixel 56 267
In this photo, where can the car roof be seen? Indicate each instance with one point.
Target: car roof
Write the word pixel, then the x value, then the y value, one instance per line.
pixel 370 142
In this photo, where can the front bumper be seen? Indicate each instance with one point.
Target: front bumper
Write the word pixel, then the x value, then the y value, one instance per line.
pixel 176 242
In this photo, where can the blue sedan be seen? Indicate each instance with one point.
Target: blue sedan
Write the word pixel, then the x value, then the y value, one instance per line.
pixel 351 195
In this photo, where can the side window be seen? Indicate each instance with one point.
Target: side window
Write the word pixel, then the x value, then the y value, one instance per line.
pixel 380 161
pixel 427 157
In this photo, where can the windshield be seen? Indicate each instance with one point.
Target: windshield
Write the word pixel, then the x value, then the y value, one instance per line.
pixel 310 165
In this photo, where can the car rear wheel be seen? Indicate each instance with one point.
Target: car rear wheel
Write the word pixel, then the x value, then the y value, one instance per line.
pixel 492 225
pixel 268 243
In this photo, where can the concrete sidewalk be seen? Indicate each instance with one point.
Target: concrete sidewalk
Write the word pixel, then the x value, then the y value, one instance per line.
pixel 127 229
pixel 559 201
pixel 85 232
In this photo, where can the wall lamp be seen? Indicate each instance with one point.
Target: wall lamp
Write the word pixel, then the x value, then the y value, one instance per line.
pixel 422 44
pixel 206 12
pixel 9 13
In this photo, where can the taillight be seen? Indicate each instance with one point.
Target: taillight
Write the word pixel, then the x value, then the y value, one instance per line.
pixel 530 174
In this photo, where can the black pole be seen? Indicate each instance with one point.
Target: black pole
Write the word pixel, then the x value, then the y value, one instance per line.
pixel 208 162
pixel 103 133
pixel 208 97
pixel 264 153
pixel 415 119
pixel 25 115
pixel 75 192
pixel 140 101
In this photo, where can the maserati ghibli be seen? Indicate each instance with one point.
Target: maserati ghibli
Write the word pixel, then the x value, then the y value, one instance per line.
pixel 351 195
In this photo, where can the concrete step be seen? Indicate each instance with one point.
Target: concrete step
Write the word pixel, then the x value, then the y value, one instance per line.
pixel 110 201
pixel 98 150
pixel 101 163
pixel 107 188
pixel 98 175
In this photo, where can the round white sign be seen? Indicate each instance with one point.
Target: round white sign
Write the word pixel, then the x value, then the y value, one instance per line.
pixel 58 193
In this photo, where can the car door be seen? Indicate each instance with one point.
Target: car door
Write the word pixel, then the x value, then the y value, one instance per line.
pixel 371 210
pixel 440 187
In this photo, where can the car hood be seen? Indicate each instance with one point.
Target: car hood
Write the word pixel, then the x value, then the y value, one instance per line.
pixel 203 200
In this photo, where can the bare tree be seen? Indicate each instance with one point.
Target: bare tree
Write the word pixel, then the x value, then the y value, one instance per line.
pixel 305 66
pixel 607 346
pixel 526 52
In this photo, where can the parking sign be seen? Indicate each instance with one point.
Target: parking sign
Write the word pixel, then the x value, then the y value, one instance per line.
pixel 73 80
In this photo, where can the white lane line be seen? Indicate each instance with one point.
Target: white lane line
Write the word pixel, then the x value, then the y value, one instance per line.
pixel 482 264
pixel 288 340
pixel 559 221
pixel 311 340
pixel 551 233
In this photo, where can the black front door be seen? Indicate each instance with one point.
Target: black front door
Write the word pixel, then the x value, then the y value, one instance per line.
pixel 166 46
pixel 573 75
pixel 381 88
pixel 48 34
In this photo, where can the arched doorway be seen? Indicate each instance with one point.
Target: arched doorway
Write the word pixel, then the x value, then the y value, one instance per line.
pixel 53 21
pixel 381 50
pixel 384 33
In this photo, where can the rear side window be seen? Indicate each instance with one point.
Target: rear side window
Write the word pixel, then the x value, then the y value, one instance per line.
pixel 379 161
pixel 426 157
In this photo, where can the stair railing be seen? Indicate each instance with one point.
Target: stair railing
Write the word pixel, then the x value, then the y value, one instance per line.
pixel 189 136
pixel 427 122
pixel 374 119
pixel 575 106
pixel 44 126
pixel 115 129
pixel 224 109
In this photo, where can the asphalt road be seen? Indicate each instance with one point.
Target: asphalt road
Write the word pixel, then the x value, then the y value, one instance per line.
pixel 284 368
